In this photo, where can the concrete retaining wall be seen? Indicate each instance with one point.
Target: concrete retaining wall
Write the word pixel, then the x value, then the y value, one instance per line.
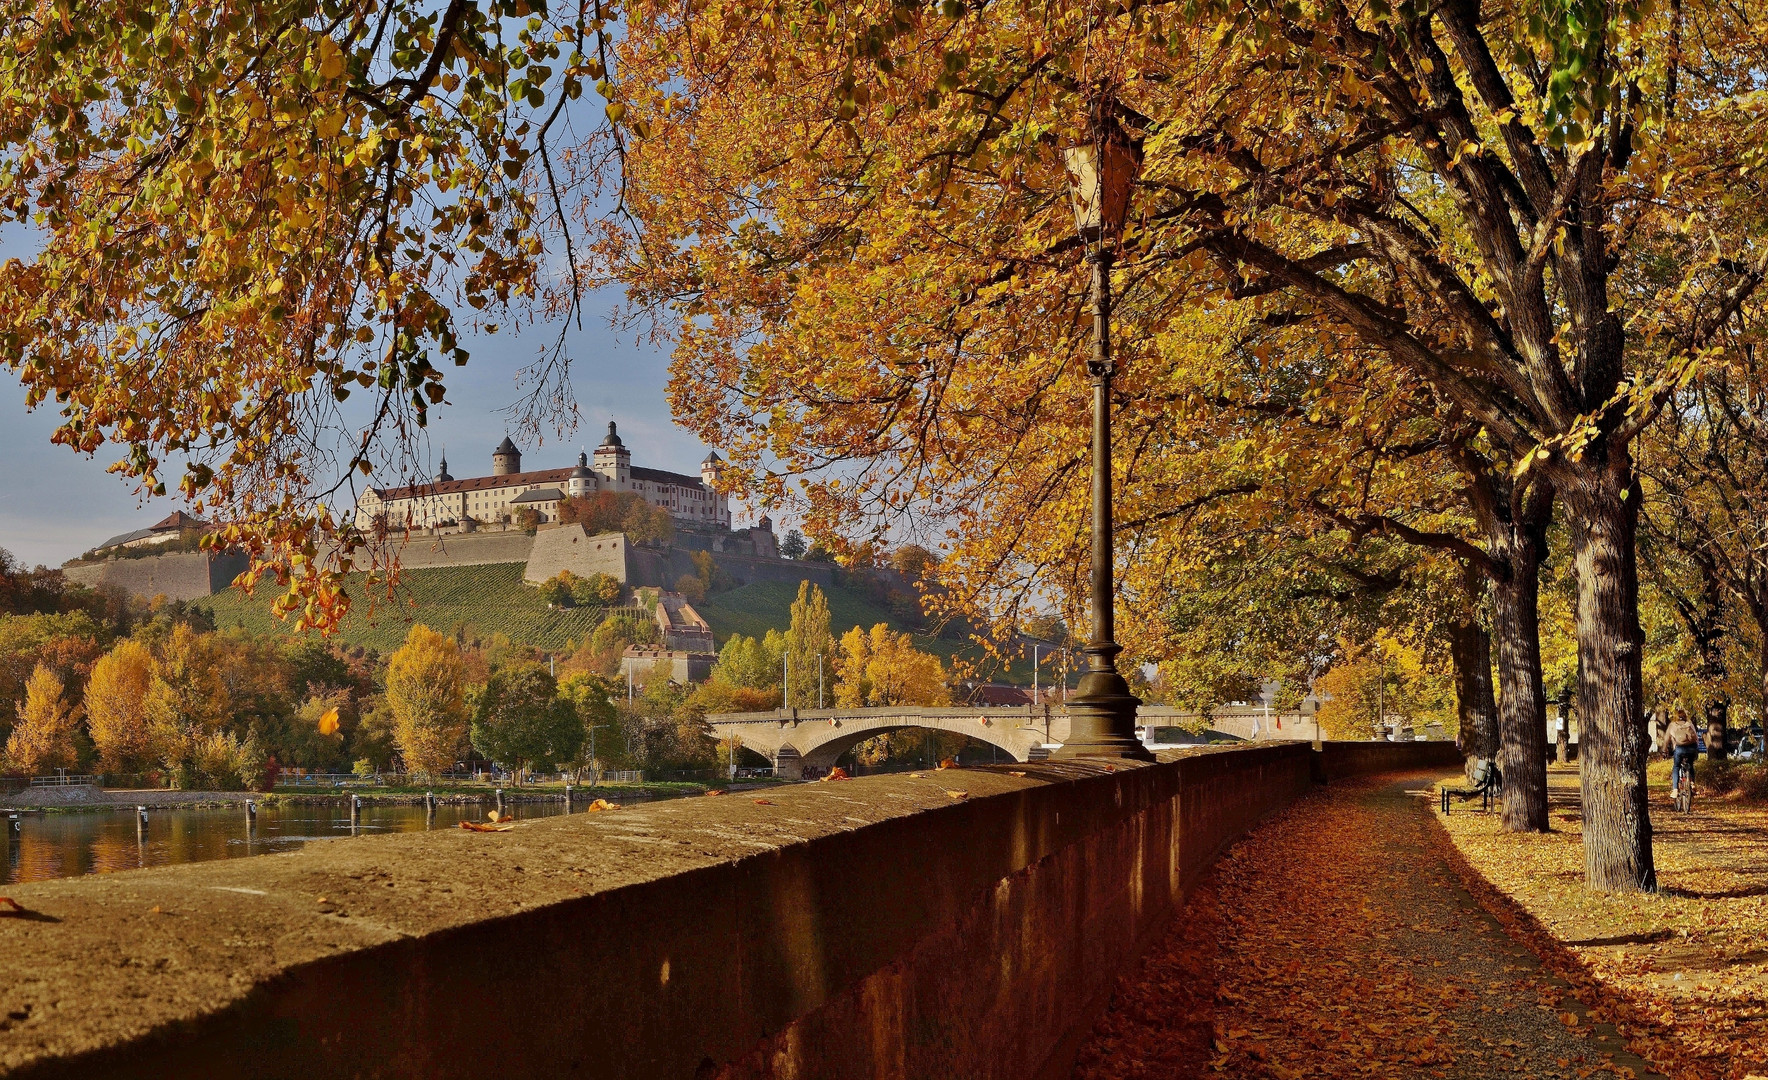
pixel 880 928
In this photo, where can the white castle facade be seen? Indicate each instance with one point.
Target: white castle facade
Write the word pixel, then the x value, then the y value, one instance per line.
pixel 509 490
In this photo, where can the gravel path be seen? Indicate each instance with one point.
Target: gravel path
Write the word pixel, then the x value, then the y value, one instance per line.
pixel 1336 941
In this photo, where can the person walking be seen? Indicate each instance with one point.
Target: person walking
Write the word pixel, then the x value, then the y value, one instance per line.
pixel 1684 747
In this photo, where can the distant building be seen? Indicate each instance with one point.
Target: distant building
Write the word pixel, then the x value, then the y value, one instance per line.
pixel 498 497
pixel 173 526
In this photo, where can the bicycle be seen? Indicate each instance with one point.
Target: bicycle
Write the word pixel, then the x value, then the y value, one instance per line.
pixel 1682 786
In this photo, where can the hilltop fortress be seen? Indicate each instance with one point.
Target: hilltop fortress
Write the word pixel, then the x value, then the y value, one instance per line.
pixel 449 522
pixel 446 502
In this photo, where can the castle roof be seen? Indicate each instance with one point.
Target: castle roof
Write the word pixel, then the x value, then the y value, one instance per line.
pixel 711 459
pixel 663 476
pixel 506 447
pixel 558 477
pixel 176 521
pixel 535 495
pixel 613 439
pixel 476 483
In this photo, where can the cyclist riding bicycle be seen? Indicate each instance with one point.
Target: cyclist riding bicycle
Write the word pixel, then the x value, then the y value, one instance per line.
pixel 1684 746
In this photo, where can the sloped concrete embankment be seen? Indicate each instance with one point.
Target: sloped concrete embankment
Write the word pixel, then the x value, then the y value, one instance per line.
pixel 966 923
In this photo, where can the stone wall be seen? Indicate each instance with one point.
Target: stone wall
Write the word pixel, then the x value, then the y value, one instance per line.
pixel 465 549
pixel 881 928
pixel 182 576
pixel 569 547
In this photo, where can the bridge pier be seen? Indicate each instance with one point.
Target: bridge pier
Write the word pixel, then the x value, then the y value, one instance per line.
pixel 787 763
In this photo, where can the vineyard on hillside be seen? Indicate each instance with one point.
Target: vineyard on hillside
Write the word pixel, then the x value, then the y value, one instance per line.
pixel 482 599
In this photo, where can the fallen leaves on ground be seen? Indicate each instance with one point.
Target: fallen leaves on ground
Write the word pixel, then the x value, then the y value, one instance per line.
pixel 476 826
pixel 600 805
pixel 714 791
pixel 837 773
pixel 950 763
pixel 1682 972
pixel 764 802
pixel 959 794
pixel 498 815
pixel 1333 942
pixel 13 906
pixel 1015 773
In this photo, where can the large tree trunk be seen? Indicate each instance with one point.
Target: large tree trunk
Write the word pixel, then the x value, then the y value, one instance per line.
pixel 1562 735
pixel 1611 735
pixel 1470 649
pixel 1718 714
pixel 1522 703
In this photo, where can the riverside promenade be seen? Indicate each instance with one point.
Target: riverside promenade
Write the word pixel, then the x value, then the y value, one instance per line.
pixel 964 922
pixel 1338 940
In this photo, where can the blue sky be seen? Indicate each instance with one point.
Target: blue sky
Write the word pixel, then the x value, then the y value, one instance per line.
pixel 54 503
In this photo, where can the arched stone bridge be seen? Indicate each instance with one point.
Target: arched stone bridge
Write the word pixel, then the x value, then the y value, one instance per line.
pixel 797 740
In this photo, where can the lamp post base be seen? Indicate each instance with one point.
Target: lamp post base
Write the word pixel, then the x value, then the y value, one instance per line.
pixel 1102 720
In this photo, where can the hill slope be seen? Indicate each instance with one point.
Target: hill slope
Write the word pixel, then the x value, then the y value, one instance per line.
pixel 754 609
pixel 492 599
pixel 488 599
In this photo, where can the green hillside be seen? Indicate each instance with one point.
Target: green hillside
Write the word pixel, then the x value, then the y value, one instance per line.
pixel 488 599
pixel 492 599
pixel 754 609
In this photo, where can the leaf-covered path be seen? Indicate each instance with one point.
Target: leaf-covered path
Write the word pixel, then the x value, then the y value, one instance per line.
pixel 1337 941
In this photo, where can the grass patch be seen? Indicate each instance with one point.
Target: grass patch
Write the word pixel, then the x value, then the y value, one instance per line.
pixel 1682 970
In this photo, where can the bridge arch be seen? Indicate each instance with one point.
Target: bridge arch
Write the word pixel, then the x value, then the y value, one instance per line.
pixel 796 739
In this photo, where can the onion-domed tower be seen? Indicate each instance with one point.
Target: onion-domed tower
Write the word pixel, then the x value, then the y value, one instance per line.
pixel 582 481
pixel 613 461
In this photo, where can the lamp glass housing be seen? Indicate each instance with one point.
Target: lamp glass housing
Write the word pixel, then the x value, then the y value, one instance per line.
pixel 1099 180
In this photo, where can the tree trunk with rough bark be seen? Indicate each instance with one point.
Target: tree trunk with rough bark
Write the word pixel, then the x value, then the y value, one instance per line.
pixel 1718 711
pixel 1522 702
pixel 1470 649
pixel 1562 735
pixel 1611 738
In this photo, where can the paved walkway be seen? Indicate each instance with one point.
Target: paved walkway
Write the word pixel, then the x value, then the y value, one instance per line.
pixel 1336 941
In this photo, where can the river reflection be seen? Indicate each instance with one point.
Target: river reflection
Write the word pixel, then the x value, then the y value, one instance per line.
pixel 105 841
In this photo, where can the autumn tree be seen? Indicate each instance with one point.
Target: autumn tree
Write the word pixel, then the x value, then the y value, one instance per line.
pixel 116 707
pixel 882 667
pixel 296 202
pixel 810 649
pixel 751 662
pixel 862 241
pixel 519 718
pixel 591 700
pixel 43 737
pixel 427 696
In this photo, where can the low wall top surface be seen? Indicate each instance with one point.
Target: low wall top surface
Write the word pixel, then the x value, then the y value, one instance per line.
pixel 663 940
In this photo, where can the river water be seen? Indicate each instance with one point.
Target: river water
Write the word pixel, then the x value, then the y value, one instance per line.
pixel 105 841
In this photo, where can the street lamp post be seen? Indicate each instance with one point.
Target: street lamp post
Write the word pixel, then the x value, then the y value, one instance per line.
pixel 1102 715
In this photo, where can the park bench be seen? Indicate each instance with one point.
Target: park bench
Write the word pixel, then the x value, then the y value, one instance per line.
pixel 1486 781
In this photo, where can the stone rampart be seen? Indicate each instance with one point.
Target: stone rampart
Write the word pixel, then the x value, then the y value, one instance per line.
pixel 425 550
pixel 569 547
pixel 190 575
pixel 965 924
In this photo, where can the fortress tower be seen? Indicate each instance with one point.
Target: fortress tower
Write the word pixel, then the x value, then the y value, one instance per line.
pixel 506 459
pixel 582 481
pixel 613 461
